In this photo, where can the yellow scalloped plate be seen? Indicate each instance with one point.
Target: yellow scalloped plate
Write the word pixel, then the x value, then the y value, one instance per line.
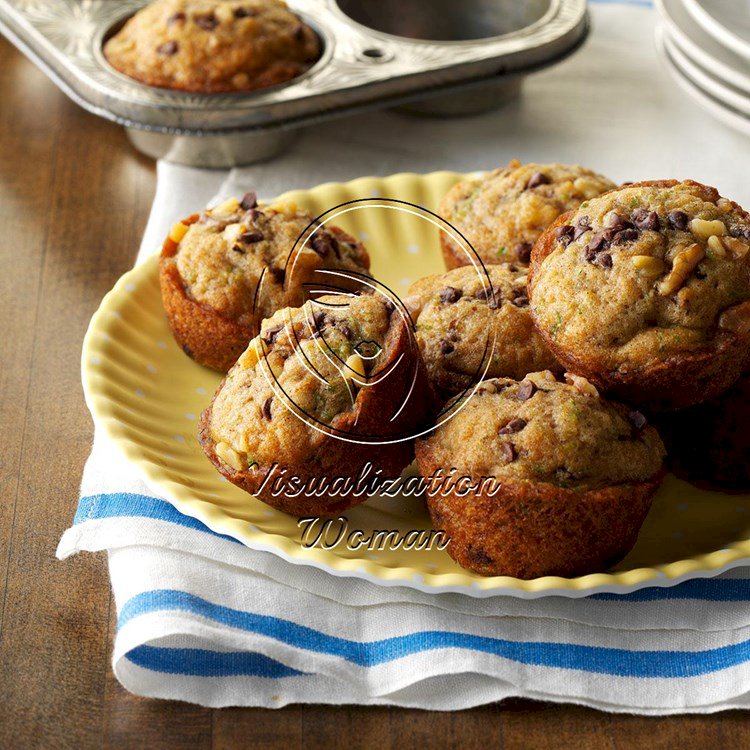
pixel 146 395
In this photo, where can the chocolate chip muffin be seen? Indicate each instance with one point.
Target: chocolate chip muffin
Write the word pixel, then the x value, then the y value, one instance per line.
pixel 575 475
pixel 503 213
pixel 709 444
pixel 646 292
pixel 226 270
pixel 473 324
pixel 212 46
pixel 324 389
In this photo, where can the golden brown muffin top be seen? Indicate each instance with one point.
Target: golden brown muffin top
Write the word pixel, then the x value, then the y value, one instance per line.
pixel 503 213
pixel 317 357
pixel 236 258
pixel 470 325
pixel 213 45
pixel 542 430
pixel 644 273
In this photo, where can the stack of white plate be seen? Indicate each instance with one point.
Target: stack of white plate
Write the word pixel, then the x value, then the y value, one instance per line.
pixel 706 46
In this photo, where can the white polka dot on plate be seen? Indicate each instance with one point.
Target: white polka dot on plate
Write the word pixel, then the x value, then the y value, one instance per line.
pixel 140 392
pixel 130 287
pixel 151 368
pixel 413 248
pixel 190 416
pixel 405 281
pixel 683 506
pixel 200 391
pixel 161 344
pixel 677 535
pixel 95 360
pixel 179 438
pixel 376 194
pixel 363 236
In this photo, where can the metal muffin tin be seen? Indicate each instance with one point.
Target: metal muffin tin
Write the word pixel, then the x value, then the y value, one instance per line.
pixel 438 57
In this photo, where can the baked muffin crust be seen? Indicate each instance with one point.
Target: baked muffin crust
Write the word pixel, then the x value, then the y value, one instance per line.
pixel 468 323
pixel 213 46
pixel 503 213
pixel 647 288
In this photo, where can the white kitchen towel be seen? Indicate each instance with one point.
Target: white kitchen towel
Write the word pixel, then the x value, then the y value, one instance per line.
pixel 201 618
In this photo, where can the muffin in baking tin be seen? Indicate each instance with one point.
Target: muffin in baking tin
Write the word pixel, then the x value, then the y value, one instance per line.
pixel 212 46
pixel 472 325
pixel 503 213
pixel 576 475
pixel 324 389
pixel 646 292
pixel 226 270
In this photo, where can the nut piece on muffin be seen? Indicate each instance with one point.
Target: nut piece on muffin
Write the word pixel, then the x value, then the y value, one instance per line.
pixel 212 46
pixel 575 473
pixel 472 325
pixel 503 213
pixel 709 444
pixel 646 292
pixel 226 270
pixel 324 389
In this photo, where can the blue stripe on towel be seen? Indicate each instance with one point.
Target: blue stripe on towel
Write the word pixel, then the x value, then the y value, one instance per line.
pixel 612 661
pixel 198 662
pixel 123 504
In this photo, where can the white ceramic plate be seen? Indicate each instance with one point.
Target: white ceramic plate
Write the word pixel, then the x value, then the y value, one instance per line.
pixel 728 21
pixel 701 47
pixel 730 117
pixel 722 92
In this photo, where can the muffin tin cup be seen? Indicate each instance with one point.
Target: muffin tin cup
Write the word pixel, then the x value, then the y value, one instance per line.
pixel 431 57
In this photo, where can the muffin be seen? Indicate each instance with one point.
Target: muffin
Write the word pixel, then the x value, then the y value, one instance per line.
pixel 226 270
pixel 472 325
pixel 646 292
pixel 503 213
pixel 574 478
pixel 709 444
pixel 212 46
pixel 324 389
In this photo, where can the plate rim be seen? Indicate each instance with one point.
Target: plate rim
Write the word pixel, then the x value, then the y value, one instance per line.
pixel 669 574
pixel 689 46
pixel 718 30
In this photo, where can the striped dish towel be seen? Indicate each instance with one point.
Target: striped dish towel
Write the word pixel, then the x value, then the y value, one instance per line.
pixel 201 618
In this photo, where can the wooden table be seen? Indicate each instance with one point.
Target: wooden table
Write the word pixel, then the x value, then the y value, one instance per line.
pixel 74 198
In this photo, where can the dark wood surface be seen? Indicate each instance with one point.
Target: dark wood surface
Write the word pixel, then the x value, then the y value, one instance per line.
pixel 74 198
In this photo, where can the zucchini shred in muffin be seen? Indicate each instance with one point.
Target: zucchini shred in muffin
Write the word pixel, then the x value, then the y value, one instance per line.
pixel 224 271
pixel 324 389
pixel 503 213
pixel 213 46
pixel 472 325
pixel 576 475
pixel 646 292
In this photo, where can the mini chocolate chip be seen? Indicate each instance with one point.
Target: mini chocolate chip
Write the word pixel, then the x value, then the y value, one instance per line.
pixel 700 273
pixel 645 220
pixel 346 332
pixel 267 408
pixel 509 452
pixel 521 301
pixel 596 244
pixel 238 249
pixel 271 334
pixel 206 21
pixel 250 238
pixel 615 220
pixel 176 18
pixel 537 179
pixel 604 260
pixel 478 556
pixel 449 294
pixel 626 235
pixel 637 419
pixel 388 305
pixel 323 244
pixel 523 251
pixel 245 12
pixel 168 48
pixel 677 219
pixel 526 390
pixel 298 32
pixel 249 200
pixel 582 226
pixel 737 232
pixel 279 274
pixel 446 347
pixel 515 425
pixel 565 234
